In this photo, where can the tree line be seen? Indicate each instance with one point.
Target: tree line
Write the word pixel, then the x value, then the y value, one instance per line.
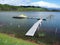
pixel 6 7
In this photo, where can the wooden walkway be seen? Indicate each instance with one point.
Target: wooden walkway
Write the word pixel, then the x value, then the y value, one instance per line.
pixel 33 29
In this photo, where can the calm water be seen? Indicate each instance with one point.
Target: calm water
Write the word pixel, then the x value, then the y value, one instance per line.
pixel 51 27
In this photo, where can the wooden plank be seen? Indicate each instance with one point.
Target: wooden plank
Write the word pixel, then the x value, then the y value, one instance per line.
pixel 33 29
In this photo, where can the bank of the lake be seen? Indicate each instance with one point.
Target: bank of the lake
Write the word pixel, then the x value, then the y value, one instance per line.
pixel 7 40
pixel 6 7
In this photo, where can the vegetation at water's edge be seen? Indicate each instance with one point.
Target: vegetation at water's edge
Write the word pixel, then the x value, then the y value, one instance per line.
pixel 6 7
pixel 7 40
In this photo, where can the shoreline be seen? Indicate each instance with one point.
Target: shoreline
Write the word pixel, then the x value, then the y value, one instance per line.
pixel 29 11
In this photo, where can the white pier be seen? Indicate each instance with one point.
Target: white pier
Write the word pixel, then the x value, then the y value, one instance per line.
pixel 33 29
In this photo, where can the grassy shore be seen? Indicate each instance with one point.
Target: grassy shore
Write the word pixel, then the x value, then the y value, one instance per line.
pixel 7 40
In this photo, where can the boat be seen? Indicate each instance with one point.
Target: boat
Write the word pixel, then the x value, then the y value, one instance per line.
pixel 44 19
pixel 20 16
pixel 38 19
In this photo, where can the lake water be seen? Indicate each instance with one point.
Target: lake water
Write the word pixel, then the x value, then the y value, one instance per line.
pixel 50 27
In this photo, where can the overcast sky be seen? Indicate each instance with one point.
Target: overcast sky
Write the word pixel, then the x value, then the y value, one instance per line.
pixel 42 3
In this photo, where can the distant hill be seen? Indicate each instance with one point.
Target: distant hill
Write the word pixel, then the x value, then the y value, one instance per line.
pixel 6 7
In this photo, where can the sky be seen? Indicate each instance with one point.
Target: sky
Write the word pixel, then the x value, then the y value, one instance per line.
pixel 41 3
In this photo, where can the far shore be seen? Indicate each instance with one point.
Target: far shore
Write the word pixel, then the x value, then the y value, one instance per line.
pixel 29 11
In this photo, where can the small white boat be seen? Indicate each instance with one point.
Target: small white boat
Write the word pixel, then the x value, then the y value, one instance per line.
pixel 20 16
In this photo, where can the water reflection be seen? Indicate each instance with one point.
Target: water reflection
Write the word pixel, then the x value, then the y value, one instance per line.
pixel 49 30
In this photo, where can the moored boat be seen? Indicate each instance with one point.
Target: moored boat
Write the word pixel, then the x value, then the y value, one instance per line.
pixel 20 16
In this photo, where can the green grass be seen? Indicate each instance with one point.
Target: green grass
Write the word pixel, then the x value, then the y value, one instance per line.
pixel 7 40
pixel 31 9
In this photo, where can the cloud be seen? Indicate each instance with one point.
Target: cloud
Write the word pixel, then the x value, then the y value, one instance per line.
pixel 15 2
pixel 45 4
